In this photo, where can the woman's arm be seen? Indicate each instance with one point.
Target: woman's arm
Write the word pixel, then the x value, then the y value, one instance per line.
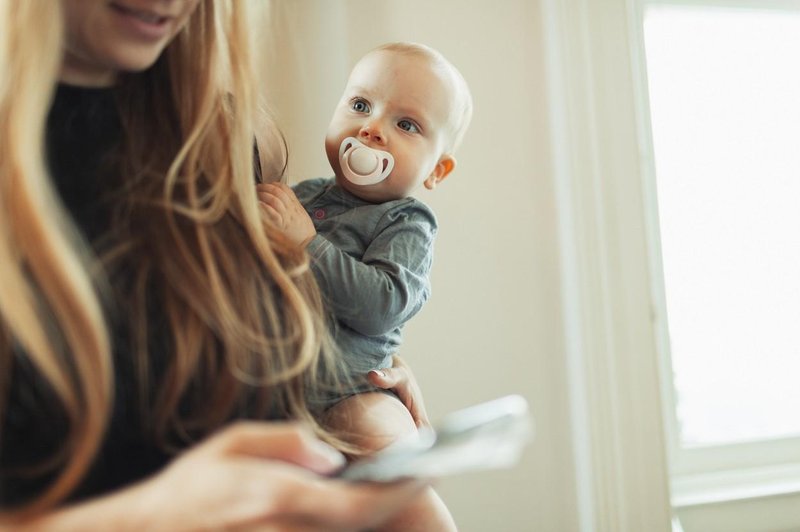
pixel 250 476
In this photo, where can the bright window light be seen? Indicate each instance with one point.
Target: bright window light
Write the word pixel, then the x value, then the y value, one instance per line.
pixel 724 87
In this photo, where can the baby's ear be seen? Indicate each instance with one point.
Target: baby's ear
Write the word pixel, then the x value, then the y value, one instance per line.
pixel 442 170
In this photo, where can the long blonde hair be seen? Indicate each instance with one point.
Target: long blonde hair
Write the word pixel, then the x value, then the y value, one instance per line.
pixel 239 302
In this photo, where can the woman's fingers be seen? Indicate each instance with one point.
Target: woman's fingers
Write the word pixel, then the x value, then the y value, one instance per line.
pixel 272 486
pixel 400 379
pixel 265 476
pixel 286 442
pixel 301 497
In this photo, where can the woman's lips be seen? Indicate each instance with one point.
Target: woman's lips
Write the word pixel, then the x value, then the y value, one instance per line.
pixel 141 22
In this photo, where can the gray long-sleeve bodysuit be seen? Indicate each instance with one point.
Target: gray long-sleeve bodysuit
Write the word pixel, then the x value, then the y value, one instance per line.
pixel 372 262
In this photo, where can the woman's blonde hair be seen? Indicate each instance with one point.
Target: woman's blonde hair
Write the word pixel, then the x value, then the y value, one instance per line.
pixel 238 302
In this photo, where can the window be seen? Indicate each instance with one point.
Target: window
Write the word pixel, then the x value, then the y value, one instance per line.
pixel 677 161
pixel 724 106
pixel 724 92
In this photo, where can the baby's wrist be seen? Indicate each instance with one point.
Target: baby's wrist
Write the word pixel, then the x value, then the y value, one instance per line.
pixel 306 241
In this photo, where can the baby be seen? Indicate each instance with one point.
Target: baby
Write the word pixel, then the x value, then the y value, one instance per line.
pixel 403 113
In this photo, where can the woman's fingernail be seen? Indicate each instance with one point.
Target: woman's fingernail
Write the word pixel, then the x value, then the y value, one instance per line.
pixel 379 372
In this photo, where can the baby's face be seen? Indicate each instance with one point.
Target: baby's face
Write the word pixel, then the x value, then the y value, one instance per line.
pixel 397 103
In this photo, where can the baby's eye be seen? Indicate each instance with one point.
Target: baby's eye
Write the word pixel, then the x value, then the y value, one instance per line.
pixel 408 125
pixel 359 106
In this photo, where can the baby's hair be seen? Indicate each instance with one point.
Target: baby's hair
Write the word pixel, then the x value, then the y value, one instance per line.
pixel 462 100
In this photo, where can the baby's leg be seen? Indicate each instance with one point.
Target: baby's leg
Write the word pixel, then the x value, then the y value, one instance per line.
pixel 373 421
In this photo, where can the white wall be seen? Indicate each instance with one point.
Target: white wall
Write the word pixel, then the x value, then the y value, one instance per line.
pixel 493 325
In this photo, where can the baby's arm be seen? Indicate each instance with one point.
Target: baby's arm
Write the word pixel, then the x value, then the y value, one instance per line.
pixel 386 286
pixel 286 212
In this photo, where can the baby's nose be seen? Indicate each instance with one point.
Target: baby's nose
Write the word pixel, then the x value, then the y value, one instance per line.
pixel 372 132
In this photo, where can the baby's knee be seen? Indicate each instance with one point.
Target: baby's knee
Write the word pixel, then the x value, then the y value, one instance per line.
pixel 371 420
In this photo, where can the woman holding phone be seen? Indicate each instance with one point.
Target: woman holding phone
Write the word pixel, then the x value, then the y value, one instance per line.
pixel 150 321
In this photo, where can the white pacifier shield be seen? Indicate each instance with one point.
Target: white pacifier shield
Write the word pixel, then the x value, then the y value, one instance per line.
pixel 363 165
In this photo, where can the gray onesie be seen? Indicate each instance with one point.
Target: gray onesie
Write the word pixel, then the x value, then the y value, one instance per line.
pixel 372 262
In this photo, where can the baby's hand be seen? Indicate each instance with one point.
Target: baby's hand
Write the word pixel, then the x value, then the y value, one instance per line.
pixel 286 211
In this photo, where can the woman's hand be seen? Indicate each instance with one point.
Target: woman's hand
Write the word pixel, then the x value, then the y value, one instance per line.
pixel 250 476
pixel 400 379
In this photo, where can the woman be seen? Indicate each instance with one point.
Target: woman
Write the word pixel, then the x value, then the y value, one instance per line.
pixel 144 303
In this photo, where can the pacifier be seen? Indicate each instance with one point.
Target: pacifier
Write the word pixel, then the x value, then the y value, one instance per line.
pixel 362 165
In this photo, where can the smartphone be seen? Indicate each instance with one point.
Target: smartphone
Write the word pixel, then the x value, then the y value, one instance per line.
pixel 489 435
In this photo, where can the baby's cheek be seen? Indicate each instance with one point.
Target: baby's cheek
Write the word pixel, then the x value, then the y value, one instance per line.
pixel 332 151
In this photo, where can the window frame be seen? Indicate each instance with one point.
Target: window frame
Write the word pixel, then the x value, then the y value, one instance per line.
pixel 619 449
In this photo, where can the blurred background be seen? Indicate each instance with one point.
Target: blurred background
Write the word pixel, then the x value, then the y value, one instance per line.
pixel 614 175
